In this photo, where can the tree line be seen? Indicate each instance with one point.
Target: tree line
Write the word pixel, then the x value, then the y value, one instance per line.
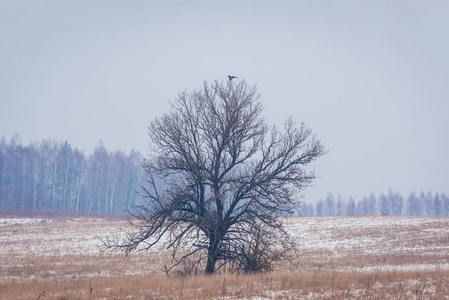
pixel 392 203
pixel 52 177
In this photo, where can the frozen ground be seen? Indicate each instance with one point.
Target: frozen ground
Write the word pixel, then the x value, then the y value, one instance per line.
pixel 12 221
pixel 398 241
pixel 375 235
pixel 50 237
pixel 382 242
pixel 37 251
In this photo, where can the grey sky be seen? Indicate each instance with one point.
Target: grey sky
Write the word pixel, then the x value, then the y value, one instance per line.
pixel 369 77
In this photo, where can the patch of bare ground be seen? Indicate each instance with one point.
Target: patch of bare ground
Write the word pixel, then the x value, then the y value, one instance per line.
pixel 339 258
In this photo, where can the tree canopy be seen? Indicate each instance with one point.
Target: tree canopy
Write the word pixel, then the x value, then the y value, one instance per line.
pixel 220 177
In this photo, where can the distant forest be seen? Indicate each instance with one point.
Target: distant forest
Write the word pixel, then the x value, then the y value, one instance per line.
pixel 393 203
pixel 53 178
pixel 50 177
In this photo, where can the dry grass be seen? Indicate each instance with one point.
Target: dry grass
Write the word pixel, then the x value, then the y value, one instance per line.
pixel 341 258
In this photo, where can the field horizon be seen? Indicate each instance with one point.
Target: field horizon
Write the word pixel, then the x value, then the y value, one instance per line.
pixel 375 257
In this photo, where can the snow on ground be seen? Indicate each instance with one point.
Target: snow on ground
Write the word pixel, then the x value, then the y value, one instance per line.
pixel 12 221
pixel 376 237
pixel 49 250
pixel 320 239
pixel 50 237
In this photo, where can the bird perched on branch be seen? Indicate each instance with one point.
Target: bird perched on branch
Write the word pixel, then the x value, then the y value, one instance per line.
pixel 231 77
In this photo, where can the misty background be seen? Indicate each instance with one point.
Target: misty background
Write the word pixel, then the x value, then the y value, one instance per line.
pixel 369 78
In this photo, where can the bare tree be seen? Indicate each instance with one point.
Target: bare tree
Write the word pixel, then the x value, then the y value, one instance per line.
pixel 219 176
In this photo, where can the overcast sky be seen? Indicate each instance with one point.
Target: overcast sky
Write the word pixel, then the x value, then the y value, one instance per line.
pixel 371 78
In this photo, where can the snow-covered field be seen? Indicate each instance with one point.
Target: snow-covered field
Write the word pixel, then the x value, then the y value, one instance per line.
pixel 390 242
pixel 12 221
pixel 49 236
pixel 37 251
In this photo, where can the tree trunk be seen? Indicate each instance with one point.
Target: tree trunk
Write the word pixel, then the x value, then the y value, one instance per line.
pixel 212 253
pixel 210 266
pixel 80 185
pixel 53 193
